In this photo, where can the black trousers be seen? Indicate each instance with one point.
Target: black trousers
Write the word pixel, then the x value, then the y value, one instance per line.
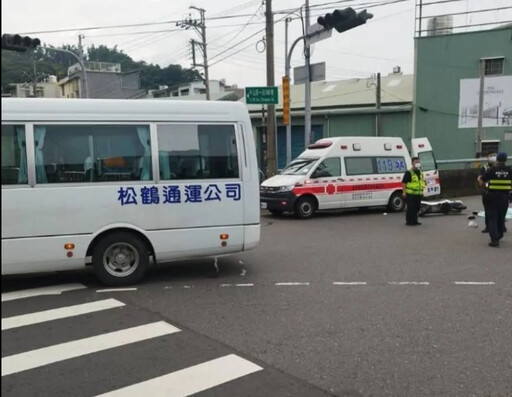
pixel 413 207
pixel 485 202
pixel 498 206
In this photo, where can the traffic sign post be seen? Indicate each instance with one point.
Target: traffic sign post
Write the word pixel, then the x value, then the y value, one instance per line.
pixel 261 95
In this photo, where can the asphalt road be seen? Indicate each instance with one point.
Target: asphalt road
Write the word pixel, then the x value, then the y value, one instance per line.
pixel 346 304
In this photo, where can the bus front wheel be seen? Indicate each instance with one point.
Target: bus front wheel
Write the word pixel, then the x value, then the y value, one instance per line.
pixel 120 259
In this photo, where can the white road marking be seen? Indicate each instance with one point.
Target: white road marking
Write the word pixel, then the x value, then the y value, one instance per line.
pixel 226 285
pixel 288 284
pixel 56 314
pixel 188 286
pixel 409 283
pixel 244 285
pixel 116 289
pixel 349 283
pixel 190 380
pixel 51 290
pixel 65 351
pixel 474 282
pixel 244 272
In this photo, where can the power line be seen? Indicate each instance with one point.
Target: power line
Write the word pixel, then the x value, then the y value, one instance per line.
pixel 130 25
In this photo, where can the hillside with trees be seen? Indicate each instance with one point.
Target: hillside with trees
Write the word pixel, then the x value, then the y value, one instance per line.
pixel 19 67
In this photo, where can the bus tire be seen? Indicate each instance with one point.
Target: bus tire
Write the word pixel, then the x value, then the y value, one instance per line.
pixel 396 202
pixel 305 207
pixel 120 259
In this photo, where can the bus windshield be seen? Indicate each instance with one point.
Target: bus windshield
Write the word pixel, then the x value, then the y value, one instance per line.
pixel 300 166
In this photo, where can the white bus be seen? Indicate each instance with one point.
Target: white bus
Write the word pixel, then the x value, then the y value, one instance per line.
pixel 119 184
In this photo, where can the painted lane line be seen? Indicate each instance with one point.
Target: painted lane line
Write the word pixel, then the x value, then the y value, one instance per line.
pixel 244 285
pixel 244 272
pixel 65 351
pixel 290 284
pixel 116 290
pixel 190 380
pixel 51 290
pixel 56 314
pixel 474 283
pixel 226 285
pixel 409 283
pixel 349 283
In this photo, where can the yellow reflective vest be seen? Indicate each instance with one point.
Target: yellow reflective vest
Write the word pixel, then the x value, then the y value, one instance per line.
pixel 416 185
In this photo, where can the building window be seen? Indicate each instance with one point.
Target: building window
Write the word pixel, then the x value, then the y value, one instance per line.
pixel 92 153
pixel 184 92
pixel 494 67
pixel 191 151
pixel 489 147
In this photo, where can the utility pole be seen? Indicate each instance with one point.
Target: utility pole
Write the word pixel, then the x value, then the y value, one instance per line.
pixel 480 109
pixel 82 65
pixel 378 119
pixel 307 95
pixel 287 73
pixel 35 79
pixel 200 28
pixel 271 109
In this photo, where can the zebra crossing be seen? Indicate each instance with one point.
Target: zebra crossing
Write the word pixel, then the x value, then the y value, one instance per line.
pixel 106 348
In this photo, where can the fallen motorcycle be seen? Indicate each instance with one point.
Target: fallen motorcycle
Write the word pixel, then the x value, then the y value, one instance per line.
pixel 445 207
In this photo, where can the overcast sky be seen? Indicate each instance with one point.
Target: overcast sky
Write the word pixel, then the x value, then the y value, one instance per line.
pixel 384 42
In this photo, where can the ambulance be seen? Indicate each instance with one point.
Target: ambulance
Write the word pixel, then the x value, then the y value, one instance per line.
pixel 348 172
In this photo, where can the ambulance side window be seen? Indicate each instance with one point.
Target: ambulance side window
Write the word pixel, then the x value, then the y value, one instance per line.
pixel 330 167
pixel 359 165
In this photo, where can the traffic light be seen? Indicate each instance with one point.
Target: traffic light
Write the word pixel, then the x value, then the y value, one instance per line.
pixel 15 42
pixel 286 100
pixel 343 20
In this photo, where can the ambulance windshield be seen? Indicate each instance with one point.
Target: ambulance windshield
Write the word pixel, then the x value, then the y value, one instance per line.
pixel 300 166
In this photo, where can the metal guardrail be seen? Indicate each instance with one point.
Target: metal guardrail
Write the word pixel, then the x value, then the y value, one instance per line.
pixel 459 161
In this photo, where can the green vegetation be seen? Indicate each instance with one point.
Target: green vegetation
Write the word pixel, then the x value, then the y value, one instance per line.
pixel 19 67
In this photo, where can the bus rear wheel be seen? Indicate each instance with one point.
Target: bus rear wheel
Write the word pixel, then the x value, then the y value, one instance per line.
pixel 120 259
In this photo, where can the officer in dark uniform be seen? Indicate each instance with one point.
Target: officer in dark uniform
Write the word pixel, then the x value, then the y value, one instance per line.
pixel 499 179
pixel 491 160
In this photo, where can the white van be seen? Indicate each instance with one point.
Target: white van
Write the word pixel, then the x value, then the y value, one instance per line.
pixel 348 172
pixel 117 183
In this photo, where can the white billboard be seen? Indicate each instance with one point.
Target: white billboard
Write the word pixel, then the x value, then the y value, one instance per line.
pixel 497 102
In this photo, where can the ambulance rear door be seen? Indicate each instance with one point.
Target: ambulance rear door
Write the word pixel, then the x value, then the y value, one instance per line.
pixel 421 148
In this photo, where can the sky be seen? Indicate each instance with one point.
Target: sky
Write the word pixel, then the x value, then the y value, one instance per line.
pixel 384 42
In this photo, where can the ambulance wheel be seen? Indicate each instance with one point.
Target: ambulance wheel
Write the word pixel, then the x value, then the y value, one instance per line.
pixel 305 207
pixel 120 259
pixel 276 212
pixel 396 202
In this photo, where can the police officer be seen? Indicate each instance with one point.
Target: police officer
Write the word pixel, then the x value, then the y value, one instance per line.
pixel 413 184
pixel 491 160
pixel 499 179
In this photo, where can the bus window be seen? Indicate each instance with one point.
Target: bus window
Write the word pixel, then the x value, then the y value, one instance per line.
pixel 14 155
pixel 92 153
pixel 191 151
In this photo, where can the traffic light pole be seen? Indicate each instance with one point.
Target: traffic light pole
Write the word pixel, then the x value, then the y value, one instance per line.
pixel 307 93
pixel 86 82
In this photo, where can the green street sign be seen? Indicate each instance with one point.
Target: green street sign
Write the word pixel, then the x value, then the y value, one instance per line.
pixel 261 95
